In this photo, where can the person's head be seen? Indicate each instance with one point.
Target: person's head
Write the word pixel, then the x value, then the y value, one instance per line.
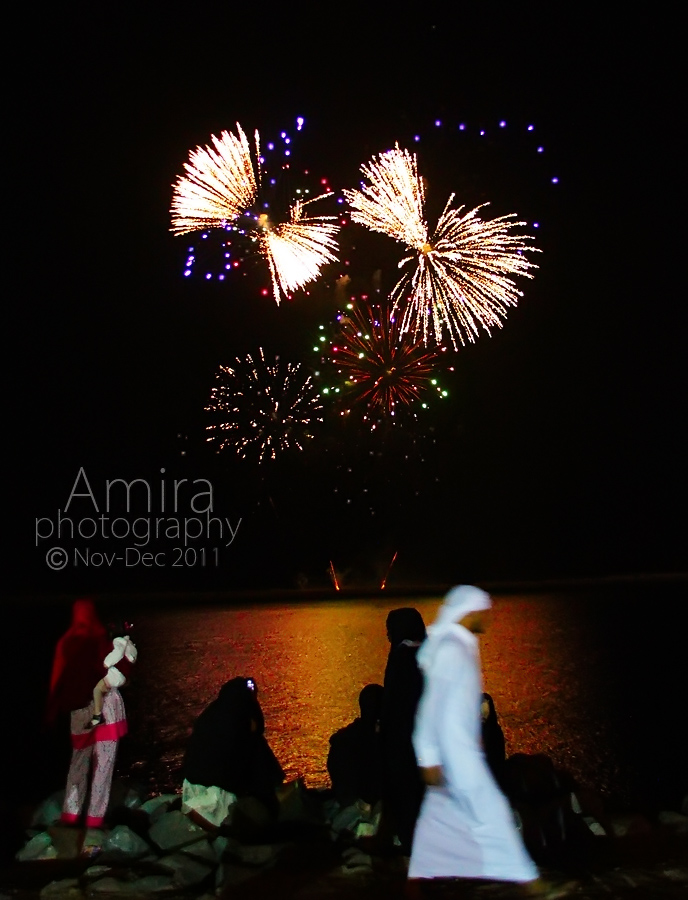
pixel 84 615
pixel 119 628
pixel 466 605
pixel 487 708
pixel 477 621
pixel 370 703
pixel 238 698
pixel 405 624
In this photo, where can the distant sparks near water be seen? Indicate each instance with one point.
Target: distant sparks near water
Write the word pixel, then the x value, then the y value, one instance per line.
pixel 377 367
pixel 223 184
pixel 261 409
pixel 458 278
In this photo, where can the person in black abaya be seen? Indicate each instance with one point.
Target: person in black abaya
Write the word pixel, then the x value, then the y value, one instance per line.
pixel 403 685
pixel 228 758
pixel 354 761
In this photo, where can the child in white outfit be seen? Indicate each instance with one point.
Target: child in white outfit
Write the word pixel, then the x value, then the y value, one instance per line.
pixel 123 653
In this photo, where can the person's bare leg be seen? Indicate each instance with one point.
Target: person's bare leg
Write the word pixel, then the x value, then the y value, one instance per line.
pixel 98 693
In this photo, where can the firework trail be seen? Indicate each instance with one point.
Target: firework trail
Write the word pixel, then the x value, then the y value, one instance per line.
pixel 223 182
pixel 333 576
pixel 384 370
pixel 383 583
pixel 262 408
pixel 458 277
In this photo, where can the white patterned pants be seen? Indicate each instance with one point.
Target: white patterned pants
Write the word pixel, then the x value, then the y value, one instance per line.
pixel 99 756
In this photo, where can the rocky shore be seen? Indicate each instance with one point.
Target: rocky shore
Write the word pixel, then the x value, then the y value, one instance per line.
pixel 151 850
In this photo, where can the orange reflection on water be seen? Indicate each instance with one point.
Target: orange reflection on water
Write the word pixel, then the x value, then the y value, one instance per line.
pixel 311 659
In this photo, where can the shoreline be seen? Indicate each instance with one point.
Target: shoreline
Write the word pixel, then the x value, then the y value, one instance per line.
pixel 362 591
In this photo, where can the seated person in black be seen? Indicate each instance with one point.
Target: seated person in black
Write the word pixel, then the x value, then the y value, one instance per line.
pixel 493 738
pixel 228 758
pixel 355 758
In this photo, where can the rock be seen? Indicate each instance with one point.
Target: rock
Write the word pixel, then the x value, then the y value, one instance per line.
pixel 347 819
pixel 330 808
pixel 66 887
pixel 39 847
pixel 94 841
pixel 676 874
pixel 123 843
pixel 594 826
pixel 250 818
pixel 674 820
pixel 356 868
pixel 152 884
pixel 50 810
pixel 630 824
pixel 149 884
pixel 258 855
pixel 66 841
pixel 369 826
pixel 295 806
pixel 355 859
pixel 107 885
pixel 229 873
pixel 186 871
pixel 97 871
pixel 174 830
pixel 220 845
pixel 156 806
pixel 124 794
pixel 204 851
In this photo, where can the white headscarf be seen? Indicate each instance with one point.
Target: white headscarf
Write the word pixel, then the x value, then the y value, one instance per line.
pixel 460 601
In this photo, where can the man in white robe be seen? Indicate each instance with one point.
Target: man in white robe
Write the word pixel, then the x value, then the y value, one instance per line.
pixel 466 826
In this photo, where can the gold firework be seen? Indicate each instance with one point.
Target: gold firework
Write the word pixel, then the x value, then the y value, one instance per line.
pixel 296 250
pixel 219 184
pixel 222 182
pixel 263 408
pixel 458 277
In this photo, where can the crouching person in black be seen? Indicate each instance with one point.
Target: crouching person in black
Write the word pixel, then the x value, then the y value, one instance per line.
pixel 231 775
pixel 355 765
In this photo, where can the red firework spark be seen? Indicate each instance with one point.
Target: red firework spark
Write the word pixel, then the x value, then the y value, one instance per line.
pixel 384 369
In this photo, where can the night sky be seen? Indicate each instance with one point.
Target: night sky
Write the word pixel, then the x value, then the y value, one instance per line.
pixel 560 451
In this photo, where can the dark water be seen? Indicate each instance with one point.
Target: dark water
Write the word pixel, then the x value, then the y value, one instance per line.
pixel 594 678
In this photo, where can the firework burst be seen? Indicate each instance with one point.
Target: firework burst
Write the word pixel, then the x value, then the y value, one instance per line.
pixel 377 366
pixel 458 277
pixel 297 249
pixel 261 408
pixel 223 184
pixel 220 183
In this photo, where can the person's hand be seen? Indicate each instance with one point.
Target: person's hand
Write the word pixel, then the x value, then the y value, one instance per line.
pixel 433 776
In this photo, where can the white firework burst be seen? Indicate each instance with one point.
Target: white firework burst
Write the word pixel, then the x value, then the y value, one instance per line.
pixel 459 277
pixel 223 182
